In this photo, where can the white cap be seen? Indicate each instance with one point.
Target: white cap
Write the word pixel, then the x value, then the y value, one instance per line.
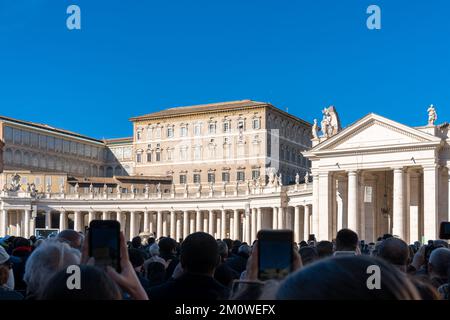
pixel 4 256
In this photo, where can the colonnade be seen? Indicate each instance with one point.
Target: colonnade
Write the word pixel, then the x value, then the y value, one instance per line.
pixel 237 223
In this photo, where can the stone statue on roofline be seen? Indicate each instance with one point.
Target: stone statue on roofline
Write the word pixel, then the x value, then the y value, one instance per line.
pixel 315 130
pixel 297 178
pixel 432 115
pixel 330 124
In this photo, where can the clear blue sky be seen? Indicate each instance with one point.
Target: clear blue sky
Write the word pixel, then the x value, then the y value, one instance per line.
pixel 135 57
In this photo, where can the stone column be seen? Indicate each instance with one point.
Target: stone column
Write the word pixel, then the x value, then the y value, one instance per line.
pixel 185 224
pixel 281 217
pixel 105 215
pixel 254 227
pixel 173 228
pixel 316 205
pixel 306 217
pixel 62 220
pixel 324 206
pixel 159 224
pixel 133 229
pixel 223 224
pixel 342 216
pixel 258 221
pixel 165 225
pixel 352 209
pixel 248 226
pixel 91 216
pixel 192 224
pixel 48 219
pixel 3 222
pixel 151 222
pixel 26 223
pixel 398 212
pixel 430 202
pixel 275 218
pixel 236 221
pixel 297 230
pixel 414 207
pixel 146 221
pixel 77 223
pixel 178 234
pixel 218 226
pixel 211 223
pixel 198 221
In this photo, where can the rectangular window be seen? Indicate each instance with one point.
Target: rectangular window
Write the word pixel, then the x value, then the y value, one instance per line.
pixel 255 174
pixel 42 142
pixel 26 138
pixel 196 178
pixel 183 131
pixel 34 140
pixel 197 130
pixel 211 177
pixel 169 132
pixel 17 136
pixel 182 179
pixel 256 124
pixel 169 154
pixel 197 153
pixel 225 177
pixel 158 133
pixel 8 134
pixel 58 145
pixel 149 157
pixel 183 154
pixel 240 176
pixel 212 128
pixel 138 135
pixel 226 127
pixel 51 143
pixel 138 158
pixel 158 156
pixel 241 125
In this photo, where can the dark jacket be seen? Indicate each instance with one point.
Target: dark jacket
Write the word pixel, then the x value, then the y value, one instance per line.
pixel 21 254
pixel 6 294
pixel 190 287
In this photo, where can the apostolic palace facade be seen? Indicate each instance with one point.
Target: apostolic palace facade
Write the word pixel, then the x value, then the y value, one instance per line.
pixel 229 169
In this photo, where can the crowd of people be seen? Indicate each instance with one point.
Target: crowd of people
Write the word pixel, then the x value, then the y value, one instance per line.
pixel 203 268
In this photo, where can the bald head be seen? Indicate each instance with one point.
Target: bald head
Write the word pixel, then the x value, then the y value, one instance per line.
pixel 394 251
pixel 72 237
pixel 439 263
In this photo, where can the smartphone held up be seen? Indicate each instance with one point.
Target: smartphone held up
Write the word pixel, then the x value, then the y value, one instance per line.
pixel 275 254
pixel 104 243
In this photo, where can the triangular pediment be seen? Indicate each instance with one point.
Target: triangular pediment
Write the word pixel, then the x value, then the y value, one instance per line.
pixel 374 131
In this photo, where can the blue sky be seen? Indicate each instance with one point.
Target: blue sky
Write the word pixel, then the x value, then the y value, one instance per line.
pixel 134 57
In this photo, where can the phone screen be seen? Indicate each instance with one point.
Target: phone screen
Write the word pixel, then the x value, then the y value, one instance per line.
pixel 104 243
pixel 444 232
pixel 275 254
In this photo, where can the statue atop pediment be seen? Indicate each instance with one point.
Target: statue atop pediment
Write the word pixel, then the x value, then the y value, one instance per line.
pixel 330 123
pixel 432 115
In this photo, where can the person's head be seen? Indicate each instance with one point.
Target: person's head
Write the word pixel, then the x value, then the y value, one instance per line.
pixel 47 259
pixel 347 278
pixel 156 273
pixel 95 284
pixel 154 249
pixel 72 237
pixel 324 249
pixel 302 244
pixel 136 242
pixel 235 246
pixel 229 243
pixel 136 258
pixel 439 263
pixel 223 249
pixel 308 255
pixel 244 250
pixel 167 246
pixel 395 251
pixel 21 242
pixel 386 236
pixel 199 253
pixel 150 241
pixel 346 240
